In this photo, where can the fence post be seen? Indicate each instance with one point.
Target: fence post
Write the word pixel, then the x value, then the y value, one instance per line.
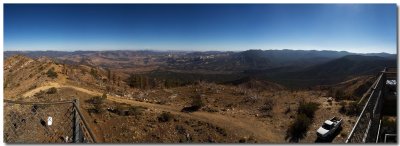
pixel 76 121
pixel 384 82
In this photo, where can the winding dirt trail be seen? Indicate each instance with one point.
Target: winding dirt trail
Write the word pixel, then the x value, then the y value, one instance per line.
pixel 243 126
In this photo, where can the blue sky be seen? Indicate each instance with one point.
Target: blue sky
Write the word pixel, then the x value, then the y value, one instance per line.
pixel 360 28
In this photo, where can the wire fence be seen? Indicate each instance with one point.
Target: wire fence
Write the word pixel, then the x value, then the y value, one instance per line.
pixel 40 122
pixel 366 128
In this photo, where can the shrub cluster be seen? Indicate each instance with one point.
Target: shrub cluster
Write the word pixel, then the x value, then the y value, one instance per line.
pixel 127 110
pixel 350 109
pixel 97 102
pixel 266 109
pixel 196 104
pixel 134 111
pixel 298 129
pixel 94 73
pixel 52 90
pixel 51 73
pixel 308 109
pixel 165 117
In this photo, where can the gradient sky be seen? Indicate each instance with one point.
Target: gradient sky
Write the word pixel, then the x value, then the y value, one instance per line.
pixel 67 27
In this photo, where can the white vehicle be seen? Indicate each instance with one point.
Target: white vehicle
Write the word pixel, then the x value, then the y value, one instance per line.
pixel 329 127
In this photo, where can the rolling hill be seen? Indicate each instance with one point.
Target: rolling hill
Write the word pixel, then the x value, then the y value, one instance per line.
pixel 334 71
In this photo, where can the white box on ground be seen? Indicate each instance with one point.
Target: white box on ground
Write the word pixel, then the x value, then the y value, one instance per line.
pixel 49 121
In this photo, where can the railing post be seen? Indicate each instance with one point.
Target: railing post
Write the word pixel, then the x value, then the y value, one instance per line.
pixel 76 121
pixel 384 82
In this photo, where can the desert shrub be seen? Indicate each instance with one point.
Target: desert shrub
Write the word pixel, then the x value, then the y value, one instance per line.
pixel 140 81
pixel 94 73
pixel 343 134
pixel 104 96
pixel 361 89
pixel 40 94
pixel 52 90
pixel 127 111
pixel 161 101
pixel 266 109
pixel 247 140
pixel 338 94
pixel 350 109
pixel 32 87
pixel 298 129
pixel 197 102
pixel 97 102
pixel 98 108
pixel 251 99
pixel 165 117
pixel 180 129
pixel 169 83
pixel 36 107
pixel 221 131
pixel 353 109
pixel 242 140
pixel 308 109
pixel 209 109
pixel 342 108
pixel 134 111
pixel 51 73
pixel 119 110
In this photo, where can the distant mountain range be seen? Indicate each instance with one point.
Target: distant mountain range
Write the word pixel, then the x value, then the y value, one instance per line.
pixel 340 69
pixel 286 67
pixel 285 54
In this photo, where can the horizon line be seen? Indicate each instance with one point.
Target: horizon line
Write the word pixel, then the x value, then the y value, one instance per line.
pixel 188 50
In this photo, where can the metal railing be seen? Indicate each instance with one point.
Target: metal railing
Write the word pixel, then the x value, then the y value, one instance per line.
pixel 367 125
pixel 45 122
pixel 391 137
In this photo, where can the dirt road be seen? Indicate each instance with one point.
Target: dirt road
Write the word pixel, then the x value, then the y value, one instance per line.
pixel 248 126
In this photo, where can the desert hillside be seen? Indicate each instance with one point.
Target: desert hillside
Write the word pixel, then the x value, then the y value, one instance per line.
pixel 241 110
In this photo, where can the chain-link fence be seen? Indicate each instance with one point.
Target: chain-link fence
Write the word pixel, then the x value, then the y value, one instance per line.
pixel 39 122
pixel 366 128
